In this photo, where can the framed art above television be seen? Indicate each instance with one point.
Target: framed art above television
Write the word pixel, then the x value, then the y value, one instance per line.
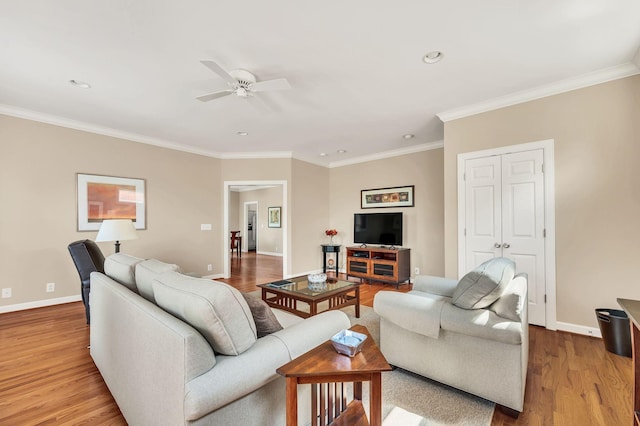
pixel 400 196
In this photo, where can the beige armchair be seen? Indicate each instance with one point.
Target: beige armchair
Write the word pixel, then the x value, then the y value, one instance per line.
pixel 470 334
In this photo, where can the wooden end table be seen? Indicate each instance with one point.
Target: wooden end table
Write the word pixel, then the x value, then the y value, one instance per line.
pixel 337 293
pixel 327 371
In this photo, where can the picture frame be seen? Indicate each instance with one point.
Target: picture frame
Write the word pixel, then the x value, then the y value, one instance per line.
pixel 274 217
pixel 100 197
pixel 399 196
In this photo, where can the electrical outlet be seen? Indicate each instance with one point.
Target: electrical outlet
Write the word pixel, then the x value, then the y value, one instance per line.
pixel 6 293
pixel 209 267
pixel 51 287
pixel 416 270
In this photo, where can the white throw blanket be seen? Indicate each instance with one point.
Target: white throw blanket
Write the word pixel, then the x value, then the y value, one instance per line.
pixel 421 315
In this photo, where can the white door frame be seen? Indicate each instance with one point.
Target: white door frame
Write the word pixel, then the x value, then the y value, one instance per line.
pixel 550 219
pixel 283 220
pixel 245 225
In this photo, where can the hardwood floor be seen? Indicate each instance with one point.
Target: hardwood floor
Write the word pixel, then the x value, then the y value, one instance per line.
pixel 48 377
pixel 46 373
pixel 252 269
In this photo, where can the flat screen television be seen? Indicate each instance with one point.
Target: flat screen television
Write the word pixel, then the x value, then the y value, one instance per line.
pixel 378 228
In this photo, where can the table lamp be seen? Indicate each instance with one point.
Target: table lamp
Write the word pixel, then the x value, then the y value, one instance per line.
pixel 117 230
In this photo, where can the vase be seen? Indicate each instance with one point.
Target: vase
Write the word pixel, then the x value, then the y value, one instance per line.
pixel 331 239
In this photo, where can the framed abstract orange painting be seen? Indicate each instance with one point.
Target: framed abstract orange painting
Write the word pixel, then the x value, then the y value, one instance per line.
pixel 109 197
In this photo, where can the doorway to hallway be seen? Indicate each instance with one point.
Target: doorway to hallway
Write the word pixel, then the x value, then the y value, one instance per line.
pixel 251 227
pixel 270 241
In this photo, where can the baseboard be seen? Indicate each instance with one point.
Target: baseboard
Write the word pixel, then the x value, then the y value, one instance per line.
pixel 40 304
pixel 303 274
pixel 316 271
pixel 268 253
pixel 579 329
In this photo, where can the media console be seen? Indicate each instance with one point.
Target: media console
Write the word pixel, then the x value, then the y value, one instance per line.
pixel 379 264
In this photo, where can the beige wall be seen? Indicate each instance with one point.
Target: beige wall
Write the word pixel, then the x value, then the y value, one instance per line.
pixel 256 169
pixel 235 211
pixel 269 240
pixel 423 224
pixel 597 150
pixel 309 215
pixel 38 166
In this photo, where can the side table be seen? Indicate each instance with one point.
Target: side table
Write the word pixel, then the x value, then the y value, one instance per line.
pixel 327 371
pixel 632 308
pixel 330 248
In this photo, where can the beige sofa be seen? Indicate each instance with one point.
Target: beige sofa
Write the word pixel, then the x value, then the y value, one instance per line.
pixel 471 335
pixel 162 368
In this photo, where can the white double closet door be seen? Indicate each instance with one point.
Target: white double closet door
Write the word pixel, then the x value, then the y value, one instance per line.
pixel 505 217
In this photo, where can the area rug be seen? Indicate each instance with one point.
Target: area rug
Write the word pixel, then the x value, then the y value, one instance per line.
pixel 409 399
pixel 412 400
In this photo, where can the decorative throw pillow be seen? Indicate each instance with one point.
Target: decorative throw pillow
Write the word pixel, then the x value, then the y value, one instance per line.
pixel 482 286
pixel 217 310
pixel 263 316
pixel 121 267
pixel 147 271
pixel 511 303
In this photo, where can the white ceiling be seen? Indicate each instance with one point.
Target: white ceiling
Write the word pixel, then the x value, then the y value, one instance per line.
pixel 358 80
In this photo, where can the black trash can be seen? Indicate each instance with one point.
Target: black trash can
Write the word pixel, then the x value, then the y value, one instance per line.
pixel 616 334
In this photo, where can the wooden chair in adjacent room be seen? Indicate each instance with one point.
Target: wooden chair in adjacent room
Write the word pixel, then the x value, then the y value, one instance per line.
pixel 236 243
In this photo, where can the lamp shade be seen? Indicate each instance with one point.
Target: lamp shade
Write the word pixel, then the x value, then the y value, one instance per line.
pixel 117 230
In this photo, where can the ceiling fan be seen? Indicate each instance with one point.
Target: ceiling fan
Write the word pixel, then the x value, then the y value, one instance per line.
pixel 241 83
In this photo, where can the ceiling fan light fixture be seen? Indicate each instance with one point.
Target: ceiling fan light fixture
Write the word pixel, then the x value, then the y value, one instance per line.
pixel 241 83
pixel 432 57
pixel 80 84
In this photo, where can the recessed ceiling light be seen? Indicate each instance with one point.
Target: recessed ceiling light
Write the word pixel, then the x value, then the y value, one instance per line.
pixel 342 151
pixel 409 136
pixel 243 133
pixel 323 154
pixel 432 57
pixel 80 84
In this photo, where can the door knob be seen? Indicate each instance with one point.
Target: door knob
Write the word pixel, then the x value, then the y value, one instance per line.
pixel 496 245
pixel 505 245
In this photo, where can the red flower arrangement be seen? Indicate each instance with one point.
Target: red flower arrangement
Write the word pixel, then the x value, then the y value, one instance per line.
pixel 331 232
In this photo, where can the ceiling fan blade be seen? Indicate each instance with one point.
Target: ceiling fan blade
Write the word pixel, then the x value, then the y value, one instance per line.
pixel 220 71
pixel 277 84
pixel 211 96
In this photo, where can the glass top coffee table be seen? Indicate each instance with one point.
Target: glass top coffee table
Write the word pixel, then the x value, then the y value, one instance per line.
pixel 287 295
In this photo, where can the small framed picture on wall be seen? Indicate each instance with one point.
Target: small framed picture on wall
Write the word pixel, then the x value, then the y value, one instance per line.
pixel 274 217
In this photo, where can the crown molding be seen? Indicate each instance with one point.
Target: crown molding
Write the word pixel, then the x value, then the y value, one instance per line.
pixel 106 131
pixel 100 130
pixel 579 82
pixel 388 154
pixel 254 155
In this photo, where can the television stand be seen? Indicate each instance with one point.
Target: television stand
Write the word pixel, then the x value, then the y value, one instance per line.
pixel 388 265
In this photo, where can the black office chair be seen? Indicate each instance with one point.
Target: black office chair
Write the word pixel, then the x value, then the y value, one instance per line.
pixel 88 258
